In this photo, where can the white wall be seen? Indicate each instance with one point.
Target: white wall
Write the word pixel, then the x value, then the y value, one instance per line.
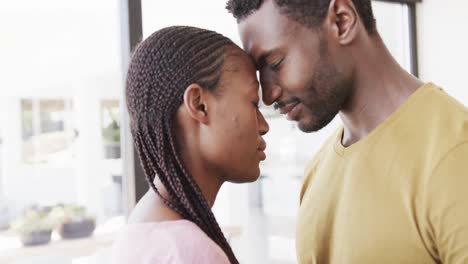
pixel 443 42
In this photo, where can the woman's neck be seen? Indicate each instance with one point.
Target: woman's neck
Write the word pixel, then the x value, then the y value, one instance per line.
pixel 208 178
pixel 151 208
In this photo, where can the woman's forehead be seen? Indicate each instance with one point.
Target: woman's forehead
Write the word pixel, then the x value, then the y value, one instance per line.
pixel 237 59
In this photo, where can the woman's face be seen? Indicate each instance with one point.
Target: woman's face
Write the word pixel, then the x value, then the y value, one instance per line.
pixel 233 141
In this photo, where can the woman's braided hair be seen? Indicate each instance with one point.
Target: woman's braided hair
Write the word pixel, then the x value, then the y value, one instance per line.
pixel 162 67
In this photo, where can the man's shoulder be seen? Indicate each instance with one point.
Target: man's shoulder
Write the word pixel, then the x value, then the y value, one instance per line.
pixel 436 123
pixel 446 124
pixel 441 101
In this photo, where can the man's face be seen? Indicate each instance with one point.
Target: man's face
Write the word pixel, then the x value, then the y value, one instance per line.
pixel 297 71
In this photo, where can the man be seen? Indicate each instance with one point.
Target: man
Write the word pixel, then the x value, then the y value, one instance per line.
pixel 391 185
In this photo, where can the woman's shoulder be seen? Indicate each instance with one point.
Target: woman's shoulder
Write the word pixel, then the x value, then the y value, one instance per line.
pixel 179 241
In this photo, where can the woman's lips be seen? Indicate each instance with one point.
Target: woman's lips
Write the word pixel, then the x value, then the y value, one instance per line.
pixel 261 154
pixel 261 150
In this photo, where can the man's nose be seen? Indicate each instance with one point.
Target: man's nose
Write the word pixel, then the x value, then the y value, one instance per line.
pixel 270 91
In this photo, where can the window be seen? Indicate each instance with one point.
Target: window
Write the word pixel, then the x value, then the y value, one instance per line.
pixel 46 131
pixel 60 124
pixel 396 23
pixel 110 114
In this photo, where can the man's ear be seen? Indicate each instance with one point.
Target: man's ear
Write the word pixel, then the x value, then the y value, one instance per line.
pixel 344 20
pixel 195 103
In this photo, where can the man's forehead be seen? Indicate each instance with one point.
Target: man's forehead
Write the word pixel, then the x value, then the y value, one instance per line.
pixel 264 30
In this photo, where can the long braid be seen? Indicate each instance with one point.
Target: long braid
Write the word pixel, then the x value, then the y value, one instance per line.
pixel 150 172
pixel 162 67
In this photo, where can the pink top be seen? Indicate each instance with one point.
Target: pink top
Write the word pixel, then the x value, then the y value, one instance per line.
pixel 178 241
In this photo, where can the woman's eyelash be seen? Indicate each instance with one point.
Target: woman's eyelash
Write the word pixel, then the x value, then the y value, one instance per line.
pixel 256 104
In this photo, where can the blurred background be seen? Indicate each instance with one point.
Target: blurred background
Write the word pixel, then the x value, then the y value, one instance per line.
pixel 68 174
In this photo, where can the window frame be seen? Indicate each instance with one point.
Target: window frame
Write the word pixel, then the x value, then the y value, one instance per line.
pixel 412 31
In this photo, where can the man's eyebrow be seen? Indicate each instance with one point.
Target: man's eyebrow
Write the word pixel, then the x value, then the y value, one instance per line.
pixel 261 61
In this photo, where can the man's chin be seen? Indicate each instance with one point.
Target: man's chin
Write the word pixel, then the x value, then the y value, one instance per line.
pixel 310 125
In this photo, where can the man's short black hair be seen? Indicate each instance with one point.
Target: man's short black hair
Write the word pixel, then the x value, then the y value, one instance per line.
pixel 310 13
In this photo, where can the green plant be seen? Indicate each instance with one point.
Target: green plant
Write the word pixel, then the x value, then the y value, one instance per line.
pixel 111 133
pixel 70 213
pixel 33 220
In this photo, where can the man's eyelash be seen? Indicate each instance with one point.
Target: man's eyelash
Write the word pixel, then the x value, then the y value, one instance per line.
pixel 275 66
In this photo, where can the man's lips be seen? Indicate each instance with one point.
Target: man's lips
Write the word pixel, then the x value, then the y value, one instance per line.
pixel 288 107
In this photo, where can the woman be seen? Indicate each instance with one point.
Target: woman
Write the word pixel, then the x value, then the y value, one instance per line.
pixel 192 95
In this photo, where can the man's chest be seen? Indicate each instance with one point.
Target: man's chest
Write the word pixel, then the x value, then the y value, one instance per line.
pixel 351 217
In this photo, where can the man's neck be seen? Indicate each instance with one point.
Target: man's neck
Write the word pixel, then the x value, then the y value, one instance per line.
pixel 380 87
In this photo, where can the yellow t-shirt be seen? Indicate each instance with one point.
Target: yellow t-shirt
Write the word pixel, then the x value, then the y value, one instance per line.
pixel 398 196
